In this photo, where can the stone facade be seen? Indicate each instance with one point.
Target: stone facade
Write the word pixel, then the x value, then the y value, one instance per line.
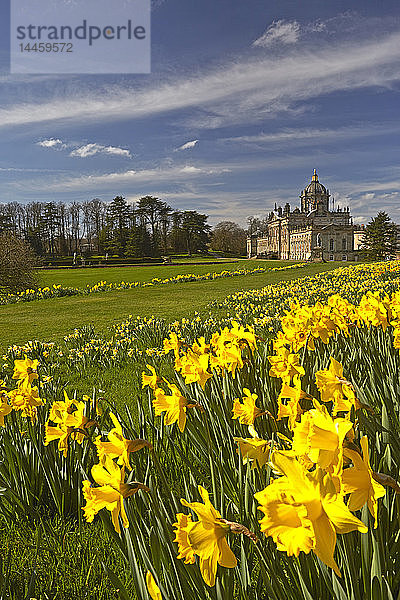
pixel 313 232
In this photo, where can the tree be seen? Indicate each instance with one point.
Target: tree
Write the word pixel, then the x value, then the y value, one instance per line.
pixel 118 217
pixel 51 222
pixel 195 231
pixel 155 214
pixel 228 237
pixel 255 225
pixel 17 263
pixel 380 238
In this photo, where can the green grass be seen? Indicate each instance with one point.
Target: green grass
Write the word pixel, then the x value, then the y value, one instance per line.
pixel 82 276
pixel 64 562
pixel 50 320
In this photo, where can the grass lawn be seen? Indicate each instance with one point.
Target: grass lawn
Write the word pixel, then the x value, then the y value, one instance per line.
pixel 83 276
pixel 50 320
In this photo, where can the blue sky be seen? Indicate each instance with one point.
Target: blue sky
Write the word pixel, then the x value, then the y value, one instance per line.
pixel 244 100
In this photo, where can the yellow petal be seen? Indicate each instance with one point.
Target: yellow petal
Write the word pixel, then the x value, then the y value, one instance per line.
pixel 152 587
pixel 226 556
pixel 341 517
pixel 325 537
pixel 208 568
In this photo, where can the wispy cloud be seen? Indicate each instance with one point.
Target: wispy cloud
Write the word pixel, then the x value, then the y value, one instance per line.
pixel 150 176
pixel 244 91
pixel 282 32
pixel 303 135
pixel 188 145
pixel 93 149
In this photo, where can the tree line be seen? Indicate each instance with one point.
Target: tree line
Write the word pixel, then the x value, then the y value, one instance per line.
pixel 148 228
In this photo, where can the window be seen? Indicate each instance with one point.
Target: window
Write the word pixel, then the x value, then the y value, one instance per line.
pixel 331 257
pixel 344 257
pixel 344 244
pixel 331 244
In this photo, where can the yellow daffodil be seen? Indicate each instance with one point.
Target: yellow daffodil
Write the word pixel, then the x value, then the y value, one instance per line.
pixel 76 418
pixel 183 525
pixel 248 411
pixel 292 408
pixel 111 493
pixel 360 483
pixel 58 432
pixel 66 420
pixel 285 365
pixel 322 324
pixel 194 367
pixel 254 449
pixel 150 380
pixel 200 346
pixel 152 587
pixel 228 356
pixel 373 310
pixel 5 408
pixel 206 537
pixel 173 405
pixel 25 369
pixel 25 398
pixel 244 335
pixel 118 446
pixel 172 343
pixel 334 387
pixel 321 438
pixel 303 511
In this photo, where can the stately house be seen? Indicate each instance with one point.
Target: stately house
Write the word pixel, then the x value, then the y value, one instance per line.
pixel 311 232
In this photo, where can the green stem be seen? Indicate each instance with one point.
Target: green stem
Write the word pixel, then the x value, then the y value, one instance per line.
pixel 214 487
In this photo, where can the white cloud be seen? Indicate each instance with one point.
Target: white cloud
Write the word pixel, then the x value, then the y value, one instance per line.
pixel 188 145
pixel 299 136
pixel 51 143
pixel 244 91
pixel 92 149
pixel 282 32
pixel 150 176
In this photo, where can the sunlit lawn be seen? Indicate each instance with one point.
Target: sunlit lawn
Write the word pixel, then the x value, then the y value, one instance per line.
pixel 50 320
pixel 80 277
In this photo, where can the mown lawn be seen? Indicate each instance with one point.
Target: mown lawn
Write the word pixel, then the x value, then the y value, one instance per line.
pixel 50 320
pixel 80 277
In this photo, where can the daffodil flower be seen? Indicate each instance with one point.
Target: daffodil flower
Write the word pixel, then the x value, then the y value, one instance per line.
pixel 253 449
pixel 110 494
pixel 303 511
pixel 25 398
pixel 360 483
pixel 183 525
pixel 118 446
pixel 25 369
pixel 5 408
pixel 174 406
pixel 248 411
pixel 285 365
pixel 206 538
pixel 321 438
pixel 291 409
pixel 334 387
pixel 150 380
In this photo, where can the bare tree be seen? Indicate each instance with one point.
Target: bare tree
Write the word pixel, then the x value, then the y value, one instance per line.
pixel 228 237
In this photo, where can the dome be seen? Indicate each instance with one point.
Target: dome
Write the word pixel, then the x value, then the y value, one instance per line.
pixel 315 187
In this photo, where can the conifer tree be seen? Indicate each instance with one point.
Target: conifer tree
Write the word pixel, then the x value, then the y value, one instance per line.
pixel 380 238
